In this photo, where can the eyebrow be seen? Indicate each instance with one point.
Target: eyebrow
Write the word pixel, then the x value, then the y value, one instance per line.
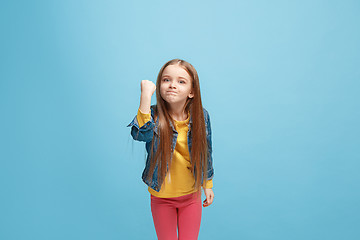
pixel 170 76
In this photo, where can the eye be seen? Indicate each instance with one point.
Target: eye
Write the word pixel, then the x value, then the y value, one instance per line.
pixel 165 79
pixel 181 81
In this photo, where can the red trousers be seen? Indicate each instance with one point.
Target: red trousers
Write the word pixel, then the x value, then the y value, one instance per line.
pixel 178 213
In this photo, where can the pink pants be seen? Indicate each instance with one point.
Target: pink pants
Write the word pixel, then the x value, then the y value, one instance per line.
pixel 182 212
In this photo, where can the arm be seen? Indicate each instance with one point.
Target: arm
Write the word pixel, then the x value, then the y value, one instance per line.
pixel 142 125
pixel 147 90
pixel 210 173
pixel 209 182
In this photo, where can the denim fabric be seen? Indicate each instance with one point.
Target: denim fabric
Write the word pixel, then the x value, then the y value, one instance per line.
pixel 149 132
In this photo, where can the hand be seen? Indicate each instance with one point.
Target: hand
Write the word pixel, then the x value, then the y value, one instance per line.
pixel 147 87
pixel 209 197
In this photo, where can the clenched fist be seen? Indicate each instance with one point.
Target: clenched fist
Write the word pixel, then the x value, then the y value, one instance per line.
pixel 147 88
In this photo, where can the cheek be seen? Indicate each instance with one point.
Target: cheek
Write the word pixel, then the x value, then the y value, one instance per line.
pixel 162 88
pixel 163 85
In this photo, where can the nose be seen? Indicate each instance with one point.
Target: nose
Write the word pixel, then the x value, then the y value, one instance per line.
pixel 172 84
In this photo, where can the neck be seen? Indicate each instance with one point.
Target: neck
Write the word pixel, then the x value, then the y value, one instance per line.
pixel 178 114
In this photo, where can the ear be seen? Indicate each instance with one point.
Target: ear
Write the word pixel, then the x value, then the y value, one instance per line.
pixel 191 95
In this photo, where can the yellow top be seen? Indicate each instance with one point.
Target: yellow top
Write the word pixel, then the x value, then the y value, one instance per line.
pixel 179 180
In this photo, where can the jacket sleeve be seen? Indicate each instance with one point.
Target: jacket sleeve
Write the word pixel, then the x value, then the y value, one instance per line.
pixel 142 132
pixel 210 169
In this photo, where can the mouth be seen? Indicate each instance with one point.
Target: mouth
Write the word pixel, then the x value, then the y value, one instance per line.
pixel 171 92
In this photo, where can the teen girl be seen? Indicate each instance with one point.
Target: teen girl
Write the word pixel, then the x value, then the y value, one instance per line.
pixel 179 162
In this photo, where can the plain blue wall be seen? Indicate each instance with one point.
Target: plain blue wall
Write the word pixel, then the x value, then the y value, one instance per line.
pixel 280 80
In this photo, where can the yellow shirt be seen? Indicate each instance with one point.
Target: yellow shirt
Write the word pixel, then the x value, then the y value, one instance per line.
pixel 179 180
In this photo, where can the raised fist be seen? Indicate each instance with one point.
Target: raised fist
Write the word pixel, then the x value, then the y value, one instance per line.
pixel 147 87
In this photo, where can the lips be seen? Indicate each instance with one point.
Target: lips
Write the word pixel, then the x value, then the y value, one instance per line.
pixel 171 92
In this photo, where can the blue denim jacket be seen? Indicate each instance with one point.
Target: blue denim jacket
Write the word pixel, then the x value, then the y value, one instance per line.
pixel 149 132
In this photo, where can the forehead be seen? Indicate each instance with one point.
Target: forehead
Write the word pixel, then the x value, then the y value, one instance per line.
pixel 176 71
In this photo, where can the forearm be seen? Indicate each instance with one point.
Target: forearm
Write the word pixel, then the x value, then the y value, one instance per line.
pixel 145 102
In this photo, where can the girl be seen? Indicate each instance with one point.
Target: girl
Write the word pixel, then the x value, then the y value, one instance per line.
pixel 179 162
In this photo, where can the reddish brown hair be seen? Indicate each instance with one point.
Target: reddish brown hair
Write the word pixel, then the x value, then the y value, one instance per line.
pixel 199 147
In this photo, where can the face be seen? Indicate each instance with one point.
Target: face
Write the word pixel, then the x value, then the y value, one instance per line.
pixel 176 86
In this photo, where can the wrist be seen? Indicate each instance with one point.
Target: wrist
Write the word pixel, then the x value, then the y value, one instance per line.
pixel 146 95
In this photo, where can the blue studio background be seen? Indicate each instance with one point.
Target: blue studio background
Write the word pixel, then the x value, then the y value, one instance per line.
pixel 280 80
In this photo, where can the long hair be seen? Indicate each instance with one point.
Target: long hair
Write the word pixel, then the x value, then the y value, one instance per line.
pixel 199 147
